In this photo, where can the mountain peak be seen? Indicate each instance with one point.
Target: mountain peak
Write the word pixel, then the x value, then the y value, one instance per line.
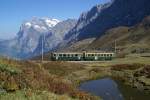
pixel 95 10
pixel 51 22
pixel 39 24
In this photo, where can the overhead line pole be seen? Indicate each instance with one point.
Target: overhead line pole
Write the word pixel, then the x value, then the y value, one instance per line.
pixel 42 47
pixel 115 46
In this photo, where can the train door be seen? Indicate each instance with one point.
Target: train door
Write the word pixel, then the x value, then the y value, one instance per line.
pixel 84 55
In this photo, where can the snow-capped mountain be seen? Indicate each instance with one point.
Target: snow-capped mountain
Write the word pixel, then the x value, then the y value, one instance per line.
pixel 31 31
pixel 40 24
pixel 28 39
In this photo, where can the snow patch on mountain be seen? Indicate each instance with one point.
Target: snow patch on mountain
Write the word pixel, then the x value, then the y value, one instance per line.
pixel 28 24
pixel 51 22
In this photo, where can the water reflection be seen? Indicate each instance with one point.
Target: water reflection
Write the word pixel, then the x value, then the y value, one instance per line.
pixel 109 89
pixel 105 88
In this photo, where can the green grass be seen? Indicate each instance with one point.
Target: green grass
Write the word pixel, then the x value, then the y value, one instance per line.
pixel 61 68
pixel 9 69
pixel 30 95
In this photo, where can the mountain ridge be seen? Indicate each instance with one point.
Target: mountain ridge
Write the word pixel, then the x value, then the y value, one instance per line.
pixel 113 14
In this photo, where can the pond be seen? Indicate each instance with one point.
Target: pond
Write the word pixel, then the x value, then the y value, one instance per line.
pixel 109 89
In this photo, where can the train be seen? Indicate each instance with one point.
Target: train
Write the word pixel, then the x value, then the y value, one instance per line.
pixel 82 56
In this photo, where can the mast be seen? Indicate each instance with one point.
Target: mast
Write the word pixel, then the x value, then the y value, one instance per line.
pixel 42 47
pixel 115 46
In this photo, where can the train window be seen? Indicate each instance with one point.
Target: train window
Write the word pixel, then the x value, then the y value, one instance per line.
pixel 64 55
pixel 54 55
pixel 60 55
pixel 76 55
pixel 111 55
pixel 92 55
pixel 107 55
pixel 104 55
pixel 68 55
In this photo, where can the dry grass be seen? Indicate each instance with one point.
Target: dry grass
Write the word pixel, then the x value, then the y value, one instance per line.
pixel 130 59
pixel 122 67
pixel 144 72
pixel 62 68
pixel 43 77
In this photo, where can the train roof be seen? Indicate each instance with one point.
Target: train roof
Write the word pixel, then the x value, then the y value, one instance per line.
pixel 79 52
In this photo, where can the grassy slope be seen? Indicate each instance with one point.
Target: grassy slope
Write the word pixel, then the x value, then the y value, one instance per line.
pixel 128 39
pixel 24 75
pixel 129 59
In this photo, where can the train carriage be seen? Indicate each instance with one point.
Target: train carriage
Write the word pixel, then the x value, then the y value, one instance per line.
pixel 67 56
pixel 82 56
pixel 98 56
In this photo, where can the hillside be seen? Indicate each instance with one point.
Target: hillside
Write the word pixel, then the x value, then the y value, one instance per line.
pixel 134 39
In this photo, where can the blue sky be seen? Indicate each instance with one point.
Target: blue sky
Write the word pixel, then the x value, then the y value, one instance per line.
pixel 14 12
